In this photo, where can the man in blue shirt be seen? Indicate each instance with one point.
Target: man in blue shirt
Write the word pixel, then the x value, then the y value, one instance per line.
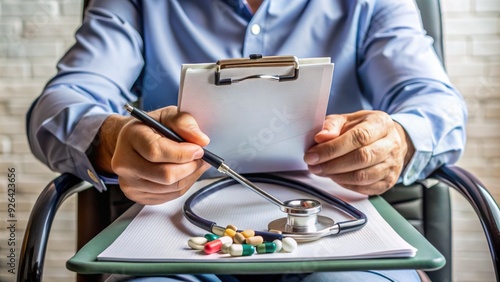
pixel 392 114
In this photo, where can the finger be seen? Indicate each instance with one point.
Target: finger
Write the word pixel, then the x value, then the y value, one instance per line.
pixel 162 173
pixel 373 189
pixel 149 193
pixel 157 148
pixel 376 188
pixel 183 124
pixel 359 136
pixel 364 157
pixel 367 181
pixel 362 177
pixel 147 198
pixel 166 150
pixel 332 126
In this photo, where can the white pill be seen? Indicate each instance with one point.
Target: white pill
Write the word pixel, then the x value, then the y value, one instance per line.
pixel 197 243
pixel 289 244
pixel 278 244
pixel 225 239
pixel 225 248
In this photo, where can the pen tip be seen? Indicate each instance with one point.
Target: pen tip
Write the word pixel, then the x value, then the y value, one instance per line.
pixel 128 108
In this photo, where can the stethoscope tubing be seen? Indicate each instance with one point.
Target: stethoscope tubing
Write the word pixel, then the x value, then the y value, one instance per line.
pixel 208 225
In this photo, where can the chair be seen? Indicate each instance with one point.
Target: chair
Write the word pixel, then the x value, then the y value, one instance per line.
pixel 426 205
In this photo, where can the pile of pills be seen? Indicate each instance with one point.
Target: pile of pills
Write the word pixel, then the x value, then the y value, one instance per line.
pixel 243 243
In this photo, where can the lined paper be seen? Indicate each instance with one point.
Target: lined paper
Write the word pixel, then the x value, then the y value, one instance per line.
pixel 160 233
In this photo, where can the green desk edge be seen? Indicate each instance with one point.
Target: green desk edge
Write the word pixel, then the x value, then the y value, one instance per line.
pixel 427 257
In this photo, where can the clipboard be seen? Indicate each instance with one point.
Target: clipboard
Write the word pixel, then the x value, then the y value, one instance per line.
pixel 260 113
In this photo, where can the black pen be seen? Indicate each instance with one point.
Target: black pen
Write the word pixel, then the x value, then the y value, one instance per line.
pixel 211 158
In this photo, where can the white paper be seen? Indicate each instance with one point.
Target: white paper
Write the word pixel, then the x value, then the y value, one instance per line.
pixel 259 125
pixel 160 233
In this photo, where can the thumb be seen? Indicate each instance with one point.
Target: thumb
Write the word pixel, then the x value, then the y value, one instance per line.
pixel 184 125
pixel 332 127
pixel 187 127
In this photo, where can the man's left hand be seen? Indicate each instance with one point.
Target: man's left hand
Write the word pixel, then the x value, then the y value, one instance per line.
pixel 363 151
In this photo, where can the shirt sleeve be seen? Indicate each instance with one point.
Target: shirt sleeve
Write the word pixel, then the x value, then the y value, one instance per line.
pixel 403 76
pixel 93 81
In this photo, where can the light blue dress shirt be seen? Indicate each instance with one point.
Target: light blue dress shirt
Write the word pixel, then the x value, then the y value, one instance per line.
pixel 383 61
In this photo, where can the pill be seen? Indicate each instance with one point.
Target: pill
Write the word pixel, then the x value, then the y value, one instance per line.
pixel 275 231
pixel 232 227
pixel 289 244
pixel 210 237
pixel 238 250
pixel 248 233
pixel 229 232
pixel 239 238
pixel 216 245
pixel 278 244
pixel 225 248
pixel 265 248
pixel 197 243
pixel 255 240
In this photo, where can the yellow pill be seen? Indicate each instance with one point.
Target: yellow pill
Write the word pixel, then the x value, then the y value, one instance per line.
pixel 230 226
pixel 275 231
pixel 248 233
pixel 229 232
pixel 239 238
pixel 255 240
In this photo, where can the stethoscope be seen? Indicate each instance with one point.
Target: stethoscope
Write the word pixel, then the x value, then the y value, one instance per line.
pixel 303 222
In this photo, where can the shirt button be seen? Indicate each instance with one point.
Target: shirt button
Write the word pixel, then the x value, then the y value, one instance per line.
pixel 255 29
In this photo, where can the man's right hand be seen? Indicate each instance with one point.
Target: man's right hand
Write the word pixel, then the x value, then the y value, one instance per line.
pixel 151 168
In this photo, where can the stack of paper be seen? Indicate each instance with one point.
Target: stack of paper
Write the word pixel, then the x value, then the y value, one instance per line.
pixel 160 233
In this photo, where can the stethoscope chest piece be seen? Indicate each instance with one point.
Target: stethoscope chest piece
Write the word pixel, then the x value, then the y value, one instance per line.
pixel 302 218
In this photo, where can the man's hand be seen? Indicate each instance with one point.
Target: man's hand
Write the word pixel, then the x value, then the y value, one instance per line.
pixel 364 151
pixel 151 168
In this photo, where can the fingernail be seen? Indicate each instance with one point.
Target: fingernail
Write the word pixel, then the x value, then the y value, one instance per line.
pixel 198 154
pixel 315 169
pixel 324 131
pixel 311 158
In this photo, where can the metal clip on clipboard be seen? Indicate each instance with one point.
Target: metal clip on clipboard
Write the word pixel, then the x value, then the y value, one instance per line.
pixel 257 60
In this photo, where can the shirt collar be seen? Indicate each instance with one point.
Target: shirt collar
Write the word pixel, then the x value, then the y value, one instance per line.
pixel 240 8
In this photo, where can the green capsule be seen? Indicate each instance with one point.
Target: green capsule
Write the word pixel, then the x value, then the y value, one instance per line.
pixel 265 248
pixel 211 237
pixel 237 250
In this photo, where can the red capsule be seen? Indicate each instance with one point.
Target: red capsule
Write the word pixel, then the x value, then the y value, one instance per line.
pixel 216 245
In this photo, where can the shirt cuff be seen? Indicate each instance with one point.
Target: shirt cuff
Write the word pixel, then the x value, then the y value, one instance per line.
pixel 83 136
pixel 85 170
pixel 420 134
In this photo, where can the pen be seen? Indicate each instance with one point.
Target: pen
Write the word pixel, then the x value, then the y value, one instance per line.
pixel 208 156
pixel 211 158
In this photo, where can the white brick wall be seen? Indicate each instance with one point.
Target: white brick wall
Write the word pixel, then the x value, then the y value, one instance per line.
pixel 472 49
pixel 33 34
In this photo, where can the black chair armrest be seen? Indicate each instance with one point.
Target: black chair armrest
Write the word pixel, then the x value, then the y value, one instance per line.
pixel 38 228
pixel 481 201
